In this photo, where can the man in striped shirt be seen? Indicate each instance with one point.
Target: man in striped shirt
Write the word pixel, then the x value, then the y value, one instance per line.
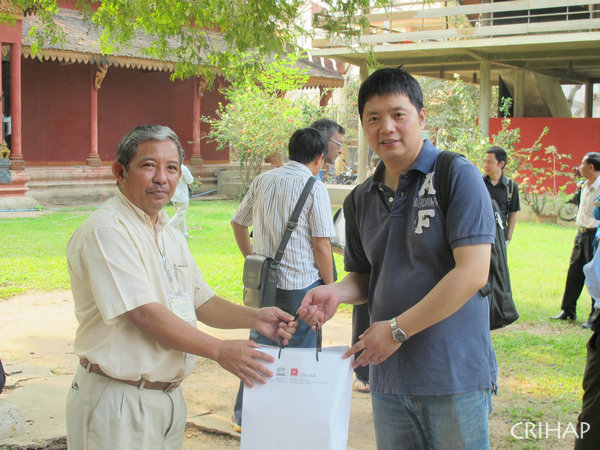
pixel 307 260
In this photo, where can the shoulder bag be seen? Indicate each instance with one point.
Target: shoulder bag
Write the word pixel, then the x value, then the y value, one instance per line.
pixel 260 272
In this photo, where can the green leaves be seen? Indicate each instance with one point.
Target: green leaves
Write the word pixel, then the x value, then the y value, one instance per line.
pixel 201 35
pixel 258 120
pixel 540 174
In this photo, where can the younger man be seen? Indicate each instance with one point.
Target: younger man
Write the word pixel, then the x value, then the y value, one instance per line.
pixel 504 190
pixel 432 363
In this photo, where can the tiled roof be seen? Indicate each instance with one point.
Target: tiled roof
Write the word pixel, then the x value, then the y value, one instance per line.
pixel 81 46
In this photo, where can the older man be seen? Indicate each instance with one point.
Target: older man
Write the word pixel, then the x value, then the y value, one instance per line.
pixel 138 294
pixel 334 133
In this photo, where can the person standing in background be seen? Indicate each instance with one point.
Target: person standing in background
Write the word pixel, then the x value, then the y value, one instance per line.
pixel 502 189
pixel 334 133
pixel 306 261
pixel 584 239
pixel 181 200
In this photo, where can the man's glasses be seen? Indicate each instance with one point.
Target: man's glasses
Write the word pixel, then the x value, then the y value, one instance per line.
pixel 338 143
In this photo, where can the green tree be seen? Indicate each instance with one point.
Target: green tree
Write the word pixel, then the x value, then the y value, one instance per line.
pixel 200 35
pixel 452 114
pixel 257 120
pixel 452 111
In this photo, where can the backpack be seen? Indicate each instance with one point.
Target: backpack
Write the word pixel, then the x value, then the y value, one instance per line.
pixel 498 289
pixel 510 189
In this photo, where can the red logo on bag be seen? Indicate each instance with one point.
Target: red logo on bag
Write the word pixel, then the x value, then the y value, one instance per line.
pixel 294 372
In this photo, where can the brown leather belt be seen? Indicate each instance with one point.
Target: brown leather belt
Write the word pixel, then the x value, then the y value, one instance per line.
pixel 140 384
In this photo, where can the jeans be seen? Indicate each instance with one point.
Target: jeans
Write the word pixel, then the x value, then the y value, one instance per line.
pixel 304 337
pixel 416 422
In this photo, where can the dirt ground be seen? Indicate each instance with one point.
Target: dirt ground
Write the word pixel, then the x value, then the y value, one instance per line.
pixel 37 329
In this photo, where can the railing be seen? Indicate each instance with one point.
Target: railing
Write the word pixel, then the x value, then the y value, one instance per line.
pixel 422 21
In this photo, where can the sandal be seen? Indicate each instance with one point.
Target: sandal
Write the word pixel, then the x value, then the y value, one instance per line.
pixel 362 386
pixel 236 426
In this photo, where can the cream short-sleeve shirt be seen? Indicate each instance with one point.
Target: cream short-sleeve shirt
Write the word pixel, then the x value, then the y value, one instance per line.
pixel 118 260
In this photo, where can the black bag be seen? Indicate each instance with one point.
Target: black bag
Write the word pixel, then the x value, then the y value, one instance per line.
pixel 498 289
pixel 2 377
pixel 260 281
pixel 260 272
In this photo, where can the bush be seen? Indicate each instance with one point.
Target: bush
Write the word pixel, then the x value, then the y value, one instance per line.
pixel 257 121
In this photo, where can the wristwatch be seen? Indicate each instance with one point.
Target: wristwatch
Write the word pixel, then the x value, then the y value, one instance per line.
pixel 397 333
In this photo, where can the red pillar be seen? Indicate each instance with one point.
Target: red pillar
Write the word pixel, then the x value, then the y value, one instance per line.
pixel 93 158
pixel 199 85
pixel 16 156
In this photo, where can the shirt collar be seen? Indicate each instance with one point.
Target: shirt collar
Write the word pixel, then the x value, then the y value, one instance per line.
pixel 299 166
pixel 596 184
pixel 503 179
pixel 424 163
pixel 162 218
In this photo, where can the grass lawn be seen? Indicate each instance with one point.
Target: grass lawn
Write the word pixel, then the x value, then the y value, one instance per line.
pixel 540 363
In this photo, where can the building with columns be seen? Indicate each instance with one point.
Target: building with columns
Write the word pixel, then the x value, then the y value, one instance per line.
pixel 69 105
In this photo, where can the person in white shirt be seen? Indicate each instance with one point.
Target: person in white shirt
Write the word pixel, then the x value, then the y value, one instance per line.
pixel 583 247
pixel 181 200
pixel 137 294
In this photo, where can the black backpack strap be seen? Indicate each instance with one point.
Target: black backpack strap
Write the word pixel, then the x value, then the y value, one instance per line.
pixel 442 178
pixel 293 220
pixel 510 190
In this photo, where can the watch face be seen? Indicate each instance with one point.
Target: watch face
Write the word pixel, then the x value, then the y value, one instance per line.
pixel 399 335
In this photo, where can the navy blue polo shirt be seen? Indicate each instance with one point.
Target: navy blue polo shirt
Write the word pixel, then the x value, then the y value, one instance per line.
pixel 405 243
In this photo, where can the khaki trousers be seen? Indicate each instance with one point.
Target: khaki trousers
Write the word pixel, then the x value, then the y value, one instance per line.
pixel 107 414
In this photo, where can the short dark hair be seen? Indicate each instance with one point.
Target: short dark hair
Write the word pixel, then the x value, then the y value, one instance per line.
pixel 328 127
pixel 593 158
pixel 499 153
pixel 307 144
pixel 127 148
pixel 390 81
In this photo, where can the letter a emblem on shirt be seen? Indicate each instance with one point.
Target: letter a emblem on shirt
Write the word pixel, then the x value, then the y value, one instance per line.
pixel 423 219
pixel 427 186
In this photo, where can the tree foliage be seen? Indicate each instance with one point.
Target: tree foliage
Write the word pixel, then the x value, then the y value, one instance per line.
pixel 543 173
pixel 201 35
pixel 257 120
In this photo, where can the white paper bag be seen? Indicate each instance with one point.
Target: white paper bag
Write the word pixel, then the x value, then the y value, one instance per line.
pixel 306 405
